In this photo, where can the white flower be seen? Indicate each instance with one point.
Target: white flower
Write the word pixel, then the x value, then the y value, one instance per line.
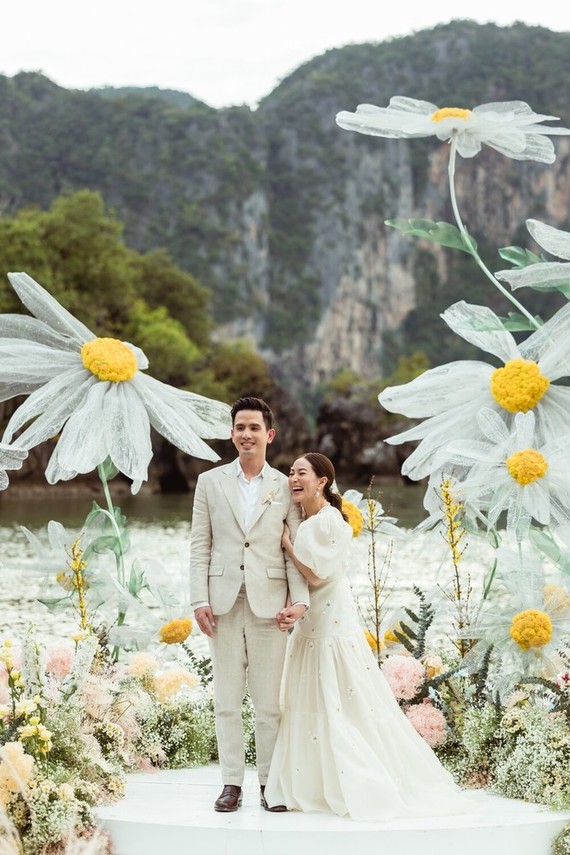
pixel 510 471
pixel 451 395
pixel 10 458
pixel 545 275
pixel 375 519
pixel 269 499
pixel 94 393
pixel 510 127
pixel 520 622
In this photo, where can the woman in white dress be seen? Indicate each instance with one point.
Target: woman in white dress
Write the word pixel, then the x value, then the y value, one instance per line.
pixel 344 745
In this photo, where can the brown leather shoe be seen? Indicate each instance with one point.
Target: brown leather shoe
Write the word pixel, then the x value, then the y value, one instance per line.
pixel 229 799
pixel 265 806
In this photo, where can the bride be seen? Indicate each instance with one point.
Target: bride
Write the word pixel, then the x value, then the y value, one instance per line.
pixel 344 745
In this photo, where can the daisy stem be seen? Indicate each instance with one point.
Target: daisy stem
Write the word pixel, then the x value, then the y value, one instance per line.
pixel 468 241
pixel 119 557
pixel 110 513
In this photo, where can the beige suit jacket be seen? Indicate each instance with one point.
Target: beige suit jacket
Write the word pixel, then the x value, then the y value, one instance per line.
pixel 223 555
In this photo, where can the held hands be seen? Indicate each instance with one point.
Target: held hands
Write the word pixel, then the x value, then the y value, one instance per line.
pixel 205 620
pixel 287 616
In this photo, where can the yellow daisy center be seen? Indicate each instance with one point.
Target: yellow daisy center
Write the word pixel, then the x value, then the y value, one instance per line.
pixel 450 113
pixel 531 628
pixel 527 466
pixel 518 386
pixel 109 359
pixel 176 631
pixel 354 517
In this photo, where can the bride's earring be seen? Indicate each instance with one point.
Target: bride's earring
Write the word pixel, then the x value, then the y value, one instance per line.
pixel 317 494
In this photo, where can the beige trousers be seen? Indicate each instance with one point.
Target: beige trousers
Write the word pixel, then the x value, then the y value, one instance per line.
pixel 246 650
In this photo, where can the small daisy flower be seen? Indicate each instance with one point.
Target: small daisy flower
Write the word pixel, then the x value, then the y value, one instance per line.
pixel 94 393
pixel 510 127
pixel 450 396
pixel 10 458
pixel 521 622
pixel 545 275
pixel 374 518
pixel 510 471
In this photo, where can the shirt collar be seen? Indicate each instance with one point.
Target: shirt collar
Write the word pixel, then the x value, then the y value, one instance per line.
pixel 241 474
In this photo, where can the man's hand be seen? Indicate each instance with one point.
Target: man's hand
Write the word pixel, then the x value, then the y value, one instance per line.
pixel 205 620
pixel 287 616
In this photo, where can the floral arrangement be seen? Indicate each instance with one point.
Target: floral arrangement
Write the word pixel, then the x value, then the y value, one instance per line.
pixel 492 441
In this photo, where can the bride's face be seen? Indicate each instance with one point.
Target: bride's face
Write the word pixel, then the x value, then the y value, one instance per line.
pixel 303 481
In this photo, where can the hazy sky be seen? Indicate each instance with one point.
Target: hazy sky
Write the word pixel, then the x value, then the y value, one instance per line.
pixel 221 51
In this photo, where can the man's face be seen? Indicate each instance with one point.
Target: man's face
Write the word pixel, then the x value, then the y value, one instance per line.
pixel 249 434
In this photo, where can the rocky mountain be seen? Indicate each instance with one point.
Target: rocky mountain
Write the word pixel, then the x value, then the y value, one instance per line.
pixel 281 213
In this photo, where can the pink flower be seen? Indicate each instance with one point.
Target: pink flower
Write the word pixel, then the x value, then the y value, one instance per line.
pixel 59 660
pixel 429 722
pixel 405 675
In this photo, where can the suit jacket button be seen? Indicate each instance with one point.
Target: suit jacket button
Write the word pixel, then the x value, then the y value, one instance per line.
pixel 241 567
pixel 246 543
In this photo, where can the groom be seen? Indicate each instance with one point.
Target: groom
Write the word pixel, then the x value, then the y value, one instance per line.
pixel 240 579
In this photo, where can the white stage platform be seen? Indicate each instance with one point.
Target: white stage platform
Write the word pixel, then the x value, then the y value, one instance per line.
pixel 172 811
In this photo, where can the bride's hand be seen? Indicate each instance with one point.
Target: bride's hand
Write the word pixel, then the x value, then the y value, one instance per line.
pixel 286 538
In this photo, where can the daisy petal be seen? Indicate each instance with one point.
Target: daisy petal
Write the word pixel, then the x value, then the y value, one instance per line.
pixel 543 276
pixel 22 326
pixel 46 308
pixel 554 241
pixel 438 389
pixel 480 326
pixel 50 406
pixel 127 430
pixel 81 446
pixel 182 417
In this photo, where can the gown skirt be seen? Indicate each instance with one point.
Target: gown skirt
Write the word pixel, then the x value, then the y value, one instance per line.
pixel 344 745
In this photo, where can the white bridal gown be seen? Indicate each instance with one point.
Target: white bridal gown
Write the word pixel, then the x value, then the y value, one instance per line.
pixel 344 745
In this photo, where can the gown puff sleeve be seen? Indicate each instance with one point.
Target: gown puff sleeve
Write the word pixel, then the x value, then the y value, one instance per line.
pixel 322 542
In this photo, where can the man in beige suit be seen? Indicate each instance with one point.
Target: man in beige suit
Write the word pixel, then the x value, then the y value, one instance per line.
pixel 240 580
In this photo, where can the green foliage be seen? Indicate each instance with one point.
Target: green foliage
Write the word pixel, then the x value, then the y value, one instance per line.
pixel 444 234
pixel 171 354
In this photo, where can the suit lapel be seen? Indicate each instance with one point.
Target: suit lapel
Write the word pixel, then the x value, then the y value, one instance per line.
pixel 229 484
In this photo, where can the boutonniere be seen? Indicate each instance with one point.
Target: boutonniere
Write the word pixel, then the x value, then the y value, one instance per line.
pixel 269 499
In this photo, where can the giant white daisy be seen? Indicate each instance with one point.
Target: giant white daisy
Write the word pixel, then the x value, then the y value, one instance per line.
pixel 510 471
pixel 450 396
pixel 510 127
pixel 10 458
pixel 93 393
pixel 545 275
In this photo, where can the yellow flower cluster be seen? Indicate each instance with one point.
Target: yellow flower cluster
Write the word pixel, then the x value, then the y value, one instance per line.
pixel 34 729
pixel 556 599
pixel 527 466
pixel 170 682
pixel 372 640
pixel 531 628
pixel 109 359
pixel 142 664
pixel 519 385
pixel 354 517
pixel 175 631
pixel 16 770
pixel 390 636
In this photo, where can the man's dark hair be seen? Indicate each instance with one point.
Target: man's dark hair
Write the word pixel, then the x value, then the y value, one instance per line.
pixel 257 404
